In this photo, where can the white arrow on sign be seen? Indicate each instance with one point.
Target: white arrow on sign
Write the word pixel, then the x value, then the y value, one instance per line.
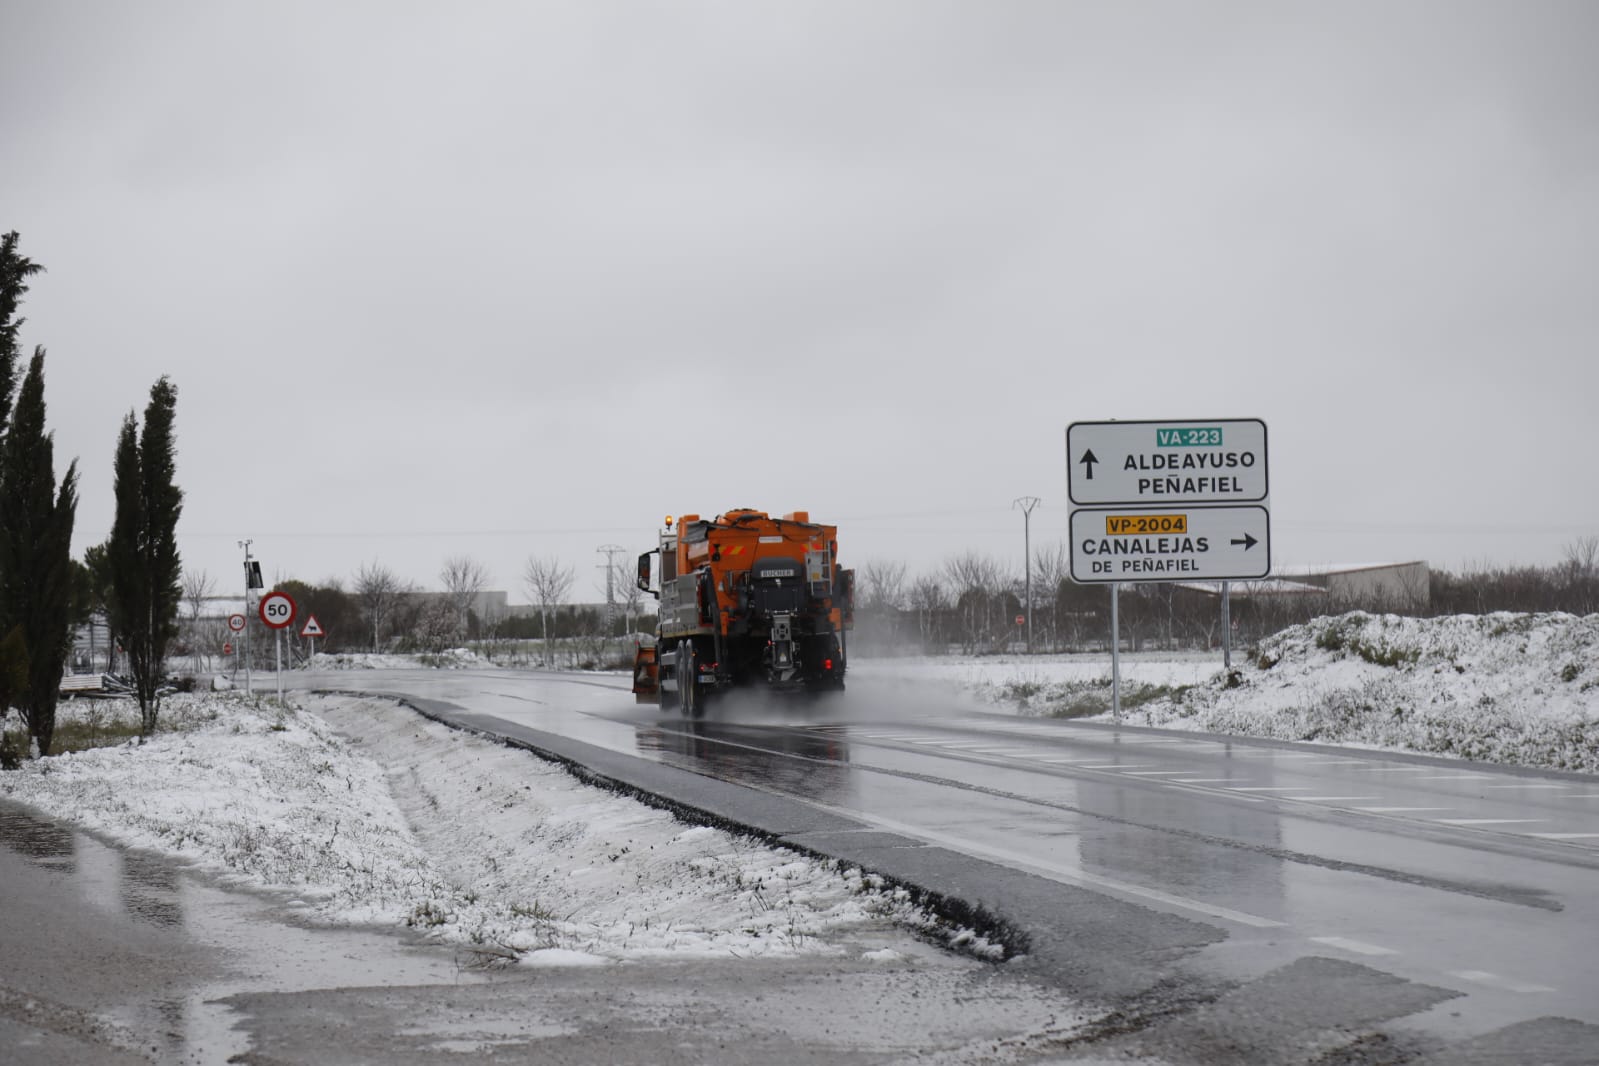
pixel 311 629
pixel 277 609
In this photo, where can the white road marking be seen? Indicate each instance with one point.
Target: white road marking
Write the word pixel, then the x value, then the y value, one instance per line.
pixel 1394 770
pixel 1330 762
pixel 1526 786
pixel 1585 796
pixel 1565 836
pixel 1396 810
pixel 1031 864
pixel 1493 980
pixel 1359 947
pixel 1202 780
pixel 1266 788
pixel 1116 766
pixel 1490 821
pixel 1334 799
pixel 1060 760
pixel 1154 773
pixel 1453 777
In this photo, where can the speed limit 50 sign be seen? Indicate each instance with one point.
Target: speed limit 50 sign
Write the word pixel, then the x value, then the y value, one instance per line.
pixel 277 609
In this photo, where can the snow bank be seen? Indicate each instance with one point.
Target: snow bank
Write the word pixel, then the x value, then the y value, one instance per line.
pixel 406 822
pixel 449 659
pixel 1507 688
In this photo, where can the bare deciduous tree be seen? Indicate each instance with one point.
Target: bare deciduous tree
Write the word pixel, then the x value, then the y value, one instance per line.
pixel 547 582
pixel 976 582
pixel 378 591
pixel 929 602
pixel 1051 566
pixel 197 588
pixel 624 583
pixel 463 578
pixel 883 585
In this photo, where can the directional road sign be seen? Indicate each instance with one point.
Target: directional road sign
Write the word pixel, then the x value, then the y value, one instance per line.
pixel 1131 544
pixel 1156 464
pixel 277 609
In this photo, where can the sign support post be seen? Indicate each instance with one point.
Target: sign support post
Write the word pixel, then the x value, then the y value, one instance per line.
pixel 1227 625
pixel 277 611
pixel 1115 653
pixel 250 579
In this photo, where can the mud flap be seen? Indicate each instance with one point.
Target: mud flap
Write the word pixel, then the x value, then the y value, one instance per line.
pixel 646 676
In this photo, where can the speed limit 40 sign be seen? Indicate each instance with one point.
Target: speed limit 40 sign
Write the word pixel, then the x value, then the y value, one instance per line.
pixel 277 609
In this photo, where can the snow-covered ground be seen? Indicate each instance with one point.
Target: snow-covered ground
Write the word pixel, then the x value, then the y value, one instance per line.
pixel 363 812
pixel 1507 688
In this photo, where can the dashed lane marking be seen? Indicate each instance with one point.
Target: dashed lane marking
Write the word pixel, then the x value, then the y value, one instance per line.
pixel 1524 787
pixel 1202 780
pixel 1490 821
pixel 1398 810
pixel 1116 766
pixel 1266 788
pixel 1454 777
pixel 1394 770
pixel 1493 980
pixel 1335 799
pixel 1055 871
pixel 1154 773
pixel 1565 836
pixel 1359 947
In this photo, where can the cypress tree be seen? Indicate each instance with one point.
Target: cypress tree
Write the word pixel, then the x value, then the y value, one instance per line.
pixel 146 572
pixel 14 273
pixel 36 556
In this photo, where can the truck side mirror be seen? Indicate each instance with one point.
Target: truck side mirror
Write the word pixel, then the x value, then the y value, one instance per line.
pixel 644 574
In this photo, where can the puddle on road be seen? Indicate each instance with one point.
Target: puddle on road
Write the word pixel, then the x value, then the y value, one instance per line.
pixel 245 942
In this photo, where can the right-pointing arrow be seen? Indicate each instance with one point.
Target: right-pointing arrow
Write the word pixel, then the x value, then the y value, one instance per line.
pixel 1247 541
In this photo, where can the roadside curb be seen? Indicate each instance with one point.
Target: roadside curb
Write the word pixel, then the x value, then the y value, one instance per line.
pixel 1097 947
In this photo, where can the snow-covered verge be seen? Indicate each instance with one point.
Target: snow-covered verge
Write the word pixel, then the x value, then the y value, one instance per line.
pixel 1507 688
pixel 449 659
pixel 406 822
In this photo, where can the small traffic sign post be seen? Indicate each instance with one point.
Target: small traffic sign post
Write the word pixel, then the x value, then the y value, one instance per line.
pixel 277 611
pixel 311 630
pixel 236 622
pixel 1162 501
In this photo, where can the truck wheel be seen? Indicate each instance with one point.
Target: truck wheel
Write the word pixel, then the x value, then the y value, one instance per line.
pixel 670 698
pixel 688 683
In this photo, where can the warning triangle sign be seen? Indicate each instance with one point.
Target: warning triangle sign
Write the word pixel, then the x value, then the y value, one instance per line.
pixel 311 628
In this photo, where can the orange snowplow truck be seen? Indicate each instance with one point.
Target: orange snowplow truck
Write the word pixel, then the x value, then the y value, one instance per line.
pixel 747 601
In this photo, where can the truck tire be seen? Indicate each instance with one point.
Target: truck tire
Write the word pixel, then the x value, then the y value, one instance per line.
pixel 688 680
pixel 671 698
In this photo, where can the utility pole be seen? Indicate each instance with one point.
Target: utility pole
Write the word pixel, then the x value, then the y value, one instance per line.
pixel 610 551
pixel 1027 503
pixel 249 583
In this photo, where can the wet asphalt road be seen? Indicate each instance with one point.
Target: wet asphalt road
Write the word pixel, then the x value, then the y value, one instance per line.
pixel 1229 899
pixel 1198 901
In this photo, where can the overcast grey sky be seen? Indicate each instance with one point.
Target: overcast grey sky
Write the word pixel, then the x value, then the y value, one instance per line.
pixel 503 279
